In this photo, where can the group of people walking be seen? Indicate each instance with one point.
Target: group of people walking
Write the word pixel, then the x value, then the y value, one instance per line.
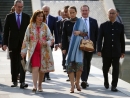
pixel 35 37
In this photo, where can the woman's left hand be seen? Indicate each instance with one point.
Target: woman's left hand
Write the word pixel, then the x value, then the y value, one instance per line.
pixel 76 33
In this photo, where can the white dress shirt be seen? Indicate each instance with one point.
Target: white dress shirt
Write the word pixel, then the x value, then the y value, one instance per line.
pixel 47 19
pixel 88 26
pixel 59 18
pixel 20 17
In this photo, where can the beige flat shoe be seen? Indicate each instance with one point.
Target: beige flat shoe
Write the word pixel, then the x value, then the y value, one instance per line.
pixel 40 90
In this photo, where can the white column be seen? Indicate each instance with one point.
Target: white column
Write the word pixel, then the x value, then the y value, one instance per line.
pixel 108 4
pixel 36 5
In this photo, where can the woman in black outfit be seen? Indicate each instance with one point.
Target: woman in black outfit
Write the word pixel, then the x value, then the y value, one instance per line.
pixel 67 29
pixel 67 32
pixel 75 70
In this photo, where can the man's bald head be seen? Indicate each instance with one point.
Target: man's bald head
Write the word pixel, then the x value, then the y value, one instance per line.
pixel 112 14
pixel 112 10
pixel 46 9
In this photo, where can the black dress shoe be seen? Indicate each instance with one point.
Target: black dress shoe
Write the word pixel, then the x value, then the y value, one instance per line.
pixel 106 85
pixel 48 78
pixel 64 68
pixel 87 85
pixel 15 84
pixel 84 84
pixel 65 71
pixel 23 85
pixel 114 89
pixel 68 80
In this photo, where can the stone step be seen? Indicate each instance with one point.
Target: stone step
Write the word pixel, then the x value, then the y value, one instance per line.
pixel 127 26
pixel 127 29
pixel 124 7
pixel 121 1
pixel 124 14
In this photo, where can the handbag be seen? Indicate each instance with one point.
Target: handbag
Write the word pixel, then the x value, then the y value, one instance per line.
pixel 86 45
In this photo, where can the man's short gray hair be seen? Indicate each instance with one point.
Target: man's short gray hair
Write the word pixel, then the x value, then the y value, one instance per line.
pixel 111 9
pixel 45 6
pixel 18 1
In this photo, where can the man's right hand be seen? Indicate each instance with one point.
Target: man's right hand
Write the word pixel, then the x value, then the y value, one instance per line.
pixel 4 47
pixel 64 51
pixel 99 53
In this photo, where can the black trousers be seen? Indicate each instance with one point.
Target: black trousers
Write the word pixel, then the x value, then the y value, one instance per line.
pixel 47 75
pixel 107 62
pixel 86 65
pixel 16 66
pixel 63 60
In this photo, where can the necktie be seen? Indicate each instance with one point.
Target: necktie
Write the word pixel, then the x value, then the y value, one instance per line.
pixel 18 21
pixel 85 21
pixel 87 28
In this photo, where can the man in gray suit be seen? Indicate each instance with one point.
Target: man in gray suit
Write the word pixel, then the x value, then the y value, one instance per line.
pixel 118 17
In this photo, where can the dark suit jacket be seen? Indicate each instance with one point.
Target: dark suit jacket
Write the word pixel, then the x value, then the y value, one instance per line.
pixel 113 35
pixel 67 32
pixel 93 31
pixel 59 30
pixel 1 29
pixel 59 27
pixel 12 35
pixel 52 26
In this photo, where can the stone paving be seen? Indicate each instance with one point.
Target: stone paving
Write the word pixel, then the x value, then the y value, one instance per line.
pixel 124 64
pixel 57 87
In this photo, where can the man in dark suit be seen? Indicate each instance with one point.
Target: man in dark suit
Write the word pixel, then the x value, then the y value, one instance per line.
pixel 112 48
pixel 1 29
pixel 51 22
pixel 14 31
pixel 59 26
pixel 92 27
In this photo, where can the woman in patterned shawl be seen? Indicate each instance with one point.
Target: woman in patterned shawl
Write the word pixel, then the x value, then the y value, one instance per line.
pixel 37 42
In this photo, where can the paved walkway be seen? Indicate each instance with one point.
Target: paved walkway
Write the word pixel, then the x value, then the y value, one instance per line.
pixel 58 87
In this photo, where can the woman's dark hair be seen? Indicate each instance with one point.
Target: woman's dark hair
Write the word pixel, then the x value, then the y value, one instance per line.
pixel 73 7
pixel 34 16
pixel 66 7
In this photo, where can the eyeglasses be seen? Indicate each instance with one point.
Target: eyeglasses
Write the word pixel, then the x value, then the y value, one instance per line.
pixel 112 13
pixel 46 11
pixel 20 6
